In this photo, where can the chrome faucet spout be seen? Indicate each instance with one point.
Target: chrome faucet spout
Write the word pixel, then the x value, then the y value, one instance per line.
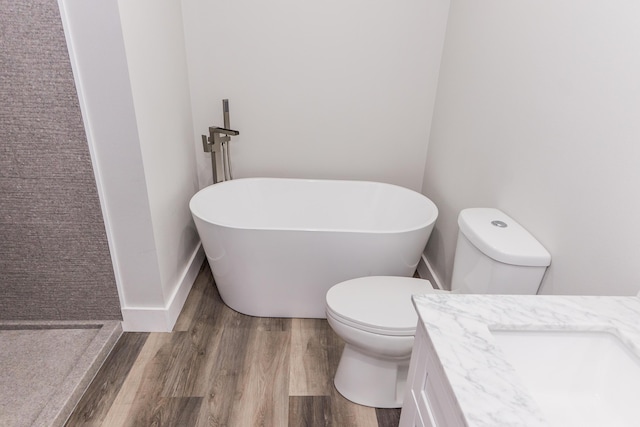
pixel 224 131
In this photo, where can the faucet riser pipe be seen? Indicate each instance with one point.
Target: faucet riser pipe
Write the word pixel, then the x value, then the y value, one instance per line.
pixel 214 168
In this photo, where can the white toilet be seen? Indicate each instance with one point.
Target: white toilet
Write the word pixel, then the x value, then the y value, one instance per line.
pixel 376 319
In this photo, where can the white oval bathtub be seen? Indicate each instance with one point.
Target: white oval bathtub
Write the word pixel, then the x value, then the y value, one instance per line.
pixel 276 246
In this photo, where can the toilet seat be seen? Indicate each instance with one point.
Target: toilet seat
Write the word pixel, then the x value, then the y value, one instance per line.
pixel 377 304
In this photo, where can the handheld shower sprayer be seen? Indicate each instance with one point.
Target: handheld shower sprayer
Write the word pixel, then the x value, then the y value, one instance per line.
pixel 226 163
pixel 225 113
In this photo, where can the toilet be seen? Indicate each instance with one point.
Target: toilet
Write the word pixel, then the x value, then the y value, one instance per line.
pixel 376 319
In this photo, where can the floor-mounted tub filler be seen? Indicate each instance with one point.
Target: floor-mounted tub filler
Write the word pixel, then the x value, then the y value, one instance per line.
pixel 277 245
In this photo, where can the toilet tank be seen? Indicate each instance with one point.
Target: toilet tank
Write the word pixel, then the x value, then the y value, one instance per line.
pixel 496 255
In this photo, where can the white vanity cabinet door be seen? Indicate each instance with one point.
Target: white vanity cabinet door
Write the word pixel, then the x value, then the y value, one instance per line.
pixel 415 409
pixel 428 399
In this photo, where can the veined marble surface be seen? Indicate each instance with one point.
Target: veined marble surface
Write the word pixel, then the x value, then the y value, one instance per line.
pixel 486 385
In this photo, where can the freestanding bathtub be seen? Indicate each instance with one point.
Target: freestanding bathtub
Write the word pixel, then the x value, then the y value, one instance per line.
pixel 276 245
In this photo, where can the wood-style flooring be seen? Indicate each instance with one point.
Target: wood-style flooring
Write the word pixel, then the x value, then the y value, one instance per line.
pixel 222 368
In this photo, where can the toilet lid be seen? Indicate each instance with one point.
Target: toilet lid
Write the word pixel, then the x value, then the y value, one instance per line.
pixel 377 304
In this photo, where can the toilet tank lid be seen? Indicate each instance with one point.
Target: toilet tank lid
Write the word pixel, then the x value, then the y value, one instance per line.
pixel 500 237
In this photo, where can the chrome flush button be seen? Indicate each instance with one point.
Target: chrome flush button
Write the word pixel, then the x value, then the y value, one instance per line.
pixel 500 224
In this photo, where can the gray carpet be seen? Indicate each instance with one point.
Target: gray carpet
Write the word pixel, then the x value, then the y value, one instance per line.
pixel 46 366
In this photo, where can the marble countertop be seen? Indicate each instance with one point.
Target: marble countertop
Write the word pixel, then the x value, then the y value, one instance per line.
pixel 486 385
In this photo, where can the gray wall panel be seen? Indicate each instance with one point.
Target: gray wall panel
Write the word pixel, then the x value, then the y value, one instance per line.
pixel 54 257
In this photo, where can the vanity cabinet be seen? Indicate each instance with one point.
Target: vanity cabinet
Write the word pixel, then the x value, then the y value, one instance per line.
pixel 428 400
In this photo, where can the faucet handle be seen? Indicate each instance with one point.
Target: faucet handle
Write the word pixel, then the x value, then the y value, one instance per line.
pixel 206 145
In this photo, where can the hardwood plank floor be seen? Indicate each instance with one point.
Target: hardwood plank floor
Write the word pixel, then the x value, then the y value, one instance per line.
pixel 310 371
pixel 222 368
pixel 99 398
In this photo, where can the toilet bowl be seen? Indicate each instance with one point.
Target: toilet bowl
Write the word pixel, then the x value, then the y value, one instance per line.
pixel 375 317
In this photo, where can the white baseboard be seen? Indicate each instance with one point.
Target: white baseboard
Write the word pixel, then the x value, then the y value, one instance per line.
pixel 426 271
pixel 145 319
pixel 162 319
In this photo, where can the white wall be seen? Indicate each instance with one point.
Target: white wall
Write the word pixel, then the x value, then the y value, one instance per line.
pixel 102 81
pixel 152 240
pixel 328 89
pixel 154 43
pixel 537 114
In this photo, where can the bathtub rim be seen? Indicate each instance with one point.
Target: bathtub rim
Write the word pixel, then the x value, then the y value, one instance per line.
pixel 429 222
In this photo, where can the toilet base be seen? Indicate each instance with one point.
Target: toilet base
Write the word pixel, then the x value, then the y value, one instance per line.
pixel 371 381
